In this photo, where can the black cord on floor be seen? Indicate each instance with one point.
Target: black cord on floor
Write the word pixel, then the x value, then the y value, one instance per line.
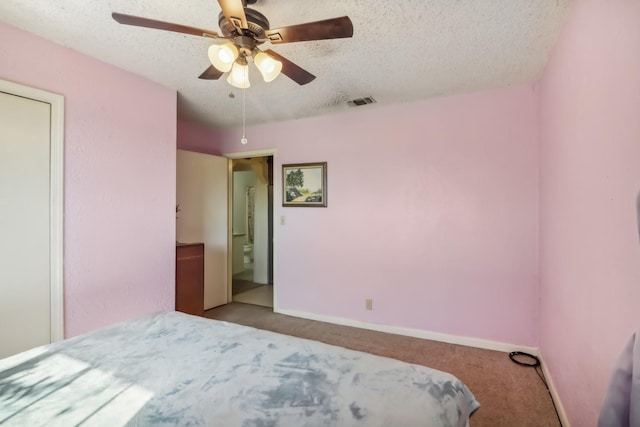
pixel 531 361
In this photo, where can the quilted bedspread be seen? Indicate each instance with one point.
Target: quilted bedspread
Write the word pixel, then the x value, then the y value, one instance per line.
pixel 173 369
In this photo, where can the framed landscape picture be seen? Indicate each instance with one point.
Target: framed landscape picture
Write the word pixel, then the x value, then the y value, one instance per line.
pixel 304 184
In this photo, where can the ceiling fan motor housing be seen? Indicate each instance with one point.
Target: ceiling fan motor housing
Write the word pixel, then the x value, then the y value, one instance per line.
pixel 245 45
pixel 257 24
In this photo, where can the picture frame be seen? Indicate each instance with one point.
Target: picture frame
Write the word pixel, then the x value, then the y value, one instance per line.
pixel 304 185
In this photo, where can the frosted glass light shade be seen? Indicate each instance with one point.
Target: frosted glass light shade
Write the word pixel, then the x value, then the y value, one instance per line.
pixel 269 68
pixel 223 57
pixel 239 76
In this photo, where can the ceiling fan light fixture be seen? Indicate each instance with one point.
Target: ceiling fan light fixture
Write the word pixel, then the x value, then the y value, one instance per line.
pixel 239 76
pixel 223 57
pixel 269 68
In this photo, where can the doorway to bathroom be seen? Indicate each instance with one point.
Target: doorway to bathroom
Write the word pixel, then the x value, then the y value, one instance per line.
pixel 252 230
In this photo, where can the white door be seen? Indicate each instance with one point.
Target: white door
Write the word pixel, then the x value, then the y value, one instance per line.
pixel 25 319
pixel 201 193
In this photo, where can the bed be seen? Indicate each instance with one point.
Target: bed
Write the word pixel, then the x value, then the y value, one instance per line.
pixel 174 369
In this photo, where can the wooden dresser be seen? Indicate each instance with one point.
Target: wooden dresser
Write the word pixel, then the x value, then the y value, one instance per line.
pixel 190 278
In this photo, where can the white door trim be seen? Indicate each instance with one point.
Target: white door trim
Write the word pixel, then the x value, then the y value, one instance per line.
pixel 56 198
pixel 276 178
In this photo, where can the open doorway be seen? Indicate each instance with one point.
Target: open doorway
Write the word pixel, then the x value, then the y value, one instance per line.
pixel 252 230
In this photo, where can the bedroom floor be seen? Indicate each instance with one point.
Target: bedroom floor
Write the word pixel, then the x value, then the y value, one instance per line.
pixel 510 395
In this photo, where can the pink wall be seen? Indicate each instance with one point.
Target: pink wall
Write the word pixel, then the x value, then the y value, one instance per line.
pixel 120 140
pixel 590 176
pixel 196 137
pixel 432 213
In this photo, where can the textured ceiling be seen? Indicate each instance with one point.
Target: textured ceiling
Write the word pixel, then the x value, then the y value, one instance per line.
pixel 401 50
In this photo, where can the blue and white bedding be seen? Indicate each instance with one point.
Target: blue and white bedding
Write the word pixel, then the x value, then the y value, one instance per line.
pixel 173 369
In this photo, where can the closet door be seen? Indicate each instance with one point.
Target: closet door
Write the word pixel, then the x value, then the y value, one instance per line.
pixel 24 224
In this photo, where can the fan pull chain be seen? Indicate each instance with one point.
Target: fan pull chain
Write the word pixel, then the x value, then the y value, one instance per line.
pixel 243 140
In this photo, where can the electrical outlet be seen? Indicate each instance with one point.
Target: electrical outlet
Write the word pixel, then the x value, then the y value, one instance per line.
pixel 368 303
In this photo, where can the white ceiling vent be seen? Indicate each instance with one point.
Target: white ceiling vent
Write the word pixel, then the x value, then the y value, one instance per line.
pixel 361 101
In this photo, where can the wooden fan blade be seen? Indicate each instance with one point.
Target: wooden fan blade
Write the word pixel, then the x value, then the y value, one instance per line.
pixel 291 70
pixel 211 73
pixel 161 25
pixel 233 10
pixel 335 28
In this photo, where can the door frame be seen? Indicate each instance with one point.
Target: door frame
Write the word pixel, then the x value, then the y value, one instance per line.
pixel 242 155
pixel 56 198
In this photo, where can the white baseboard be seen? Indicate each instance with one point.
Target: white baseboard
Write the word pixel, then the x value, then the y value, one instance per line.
pixel 415 333
pixel 554 393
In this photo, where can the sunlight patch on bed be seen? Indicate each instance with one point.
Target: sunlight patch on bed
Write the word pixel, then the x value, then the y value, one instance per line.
pixel 18 359
pixel 57 390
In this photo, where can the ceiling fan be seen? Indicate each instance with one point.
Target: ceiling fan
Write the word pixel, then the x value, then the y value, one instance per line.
pixel 243 30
